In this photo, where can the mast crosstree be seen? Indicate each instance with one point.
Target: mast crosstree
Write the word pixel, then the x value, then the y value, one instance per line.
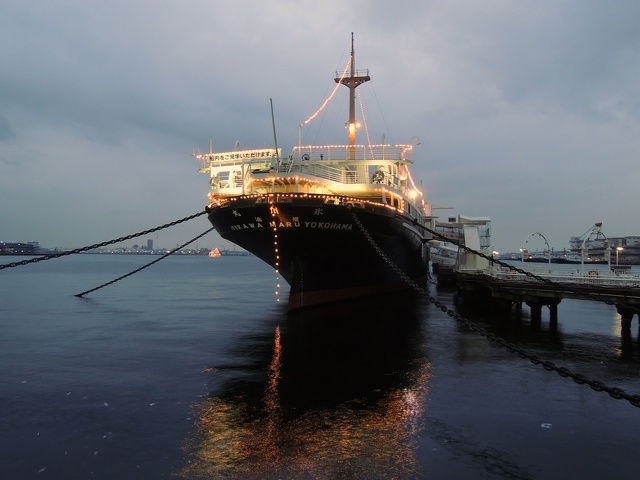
pixel 353 81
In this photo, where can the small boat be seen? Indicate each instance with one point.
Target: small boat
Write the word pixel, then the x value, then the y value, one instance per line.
pixel 215 253
pixel 335 221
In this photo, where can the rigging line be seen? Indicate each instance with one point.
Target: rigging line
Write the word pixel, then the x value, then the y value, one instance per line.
pixel 384 120
pixel 144 266
pixel 345 50
pixel 99 245
pixel 614 392
pixel 319 127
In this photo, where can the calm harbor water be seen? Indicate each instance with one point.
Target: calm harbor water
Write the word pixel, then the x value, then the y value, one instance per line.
pixel 191 369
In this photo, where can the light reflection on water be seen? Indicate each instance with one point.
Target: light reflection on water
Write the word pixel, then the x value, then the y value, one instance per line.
pixel 321 411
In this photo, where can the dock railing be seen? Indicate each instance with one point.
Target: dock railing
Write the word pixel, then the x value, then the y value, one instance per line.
pixel 594 276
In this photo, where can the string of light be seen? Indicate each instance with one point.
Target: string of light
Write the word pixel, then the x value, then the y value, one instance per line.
pixel 276 251
pixel 272 198
pixel 219 201
pixel 330 96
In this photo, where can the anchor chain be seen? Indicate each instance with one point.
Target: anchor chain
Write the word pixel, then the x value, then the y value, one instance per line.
pixel 580 379
pixel 99 245
pixel 144 266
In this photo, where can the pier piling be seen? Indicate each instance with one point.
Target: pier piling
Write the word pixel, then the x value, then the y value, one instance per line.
pixel 626 316
pixel 506 288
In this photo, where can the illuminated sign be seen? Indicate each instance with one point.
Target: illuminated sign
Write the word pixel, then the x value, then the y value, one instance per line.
pixel 264 153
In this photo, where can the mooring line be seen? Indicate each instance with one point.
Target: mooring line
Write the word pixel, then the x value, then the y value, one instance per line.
pixel 99 245
pixel 596 385
pixel 144 266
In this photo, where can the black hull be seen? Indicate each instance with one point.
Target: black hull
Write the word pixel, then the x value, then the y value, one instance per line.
pixel 318 248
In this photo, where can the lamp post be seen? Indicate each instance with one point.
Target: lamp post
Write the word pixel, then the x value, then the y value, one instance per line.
pixel 523 252
pixel 618 250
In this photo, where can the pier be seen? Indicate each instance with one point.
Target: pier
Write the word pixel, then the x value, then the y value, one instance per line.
pixel 504 288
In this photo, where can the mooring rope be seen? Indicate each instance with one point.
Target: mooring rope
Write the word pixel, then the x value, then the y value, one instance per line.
pixel 99 245
pixel 145 266
pixel 596 385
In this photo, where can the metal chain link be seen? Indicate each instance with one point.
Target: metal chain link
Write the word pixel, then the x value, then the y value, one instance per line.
pixel 596 385
pixel 99 245
pixel 145 266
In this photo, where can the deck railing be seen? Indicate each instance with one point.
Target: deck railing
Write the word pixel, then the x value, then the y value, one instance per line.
pixel 343 174
pixel 352 152
pixel 328 172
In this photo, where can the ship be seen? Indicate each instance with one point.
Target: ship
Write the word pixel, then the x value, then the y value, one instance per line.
pixel 336 222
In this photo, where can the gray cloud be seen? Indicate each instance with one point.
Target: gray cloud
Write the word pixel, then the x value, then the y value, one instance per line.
pixel 527 111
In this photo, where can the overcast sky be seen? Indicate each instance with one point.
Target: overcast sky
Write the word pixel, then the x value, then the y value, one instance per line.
pixel 527 111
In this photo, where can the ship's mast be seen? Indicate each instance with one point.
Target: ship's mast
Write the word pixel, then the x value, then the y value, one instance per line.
pixel 353 81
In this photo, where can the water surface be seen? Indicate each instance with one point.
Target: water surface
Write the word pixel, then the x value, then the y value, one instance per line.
pixel 192 369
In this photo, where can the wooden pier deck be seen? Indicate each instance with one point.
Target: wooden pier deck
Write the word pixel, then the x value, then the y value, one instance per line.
pixel 506 287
